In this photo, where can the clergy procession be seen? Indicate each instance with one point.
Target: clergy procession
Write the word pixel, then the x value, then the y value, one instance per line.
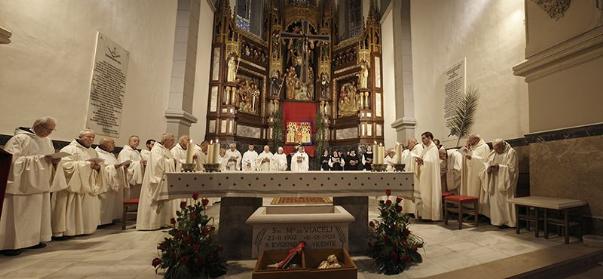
pixel 59 195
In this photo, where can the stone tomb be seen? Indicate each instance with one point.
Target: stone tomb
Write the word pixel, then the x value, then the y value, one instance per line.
pixel 281 227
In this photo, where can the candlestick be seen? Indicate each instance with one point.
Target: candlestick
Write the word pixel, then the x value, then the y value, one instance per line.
pixel 216 152
pixel 190 152
pixel 210 152
pixel 398 153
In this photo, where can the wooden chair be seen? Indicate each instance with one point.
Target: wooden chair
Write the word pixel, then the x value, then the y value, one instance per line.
pixel 456 204
pixel 128 206
pixel 444 195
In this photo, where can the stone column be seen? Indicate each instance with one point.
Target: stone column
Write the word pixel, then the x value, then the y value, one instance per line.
pixel 180 107
pixel 405 106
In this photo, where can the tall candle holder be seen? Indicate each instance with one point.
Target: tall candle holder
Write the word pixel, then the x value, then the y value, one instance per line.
pixel 188 167
pixel 378 167
pixel 211 167
pixel 399 167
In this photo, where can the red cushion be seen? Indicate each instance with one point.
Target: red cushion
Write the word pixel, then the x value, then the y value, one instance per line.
pixel 459 198
pixel 131 201
pixel 446 194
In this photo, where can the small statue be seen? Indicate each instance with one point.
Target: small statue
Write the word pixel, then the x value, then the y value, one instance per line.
pixel 232 69
pixel 363 75
pixel 331 262
pixel 324 86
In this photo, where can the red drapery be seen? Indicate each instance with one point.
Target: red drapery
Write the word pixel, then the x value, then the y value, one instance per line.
pixel 299 112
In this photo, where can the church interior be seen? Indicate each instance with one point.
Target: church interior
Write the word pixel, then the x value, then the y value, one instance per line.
pixel 301 139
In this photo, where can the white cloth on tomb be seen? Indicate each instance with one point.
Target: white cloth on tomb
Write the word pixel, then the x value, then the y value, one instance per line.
pixel 76 210
pixel 153 211
pixel 300 162
pixel 471 179
pixel 135 171
pixel 500 185
pixel 25 219
pixel 248 163
pixel 263 161
pixel 144 154
pixel 111 202
pixel 278 162
pixel 430 184
pixel 454 165
pixel 233 162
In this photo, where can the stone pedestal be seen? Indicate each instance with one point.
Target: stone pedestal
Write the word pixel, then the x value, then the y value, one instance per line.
pixel 358 231
pixel 233 234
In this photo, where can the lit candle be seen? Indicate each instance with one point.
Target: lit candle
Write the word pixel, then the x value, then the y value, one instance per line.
pixel 216 152
pixel 381 153
pixel 190 151
pixel 398 153
pixel 210 152
pixel 375 153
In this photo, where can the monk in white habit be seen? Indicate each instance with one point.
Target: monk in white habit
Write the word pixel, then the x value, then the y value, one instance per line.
pixel 300 160
pixel 179 151
pixel 454 166
pixel 135 170
pixel 264 159
pixel 500 182
pixel 146 152
pixel 233 156
pixel 154 212
pixel 249 159
pixel 76 210
pixel 222 159
pixel 279 160
pixel 25 220
pixel 474 164
pixel 111 202
pixel 430 188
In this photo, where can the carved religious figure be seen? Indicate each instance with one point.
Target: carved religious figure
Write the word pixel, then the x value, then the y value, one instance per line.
pixel 349 100
pixel 291 131
pixel 292 83
pixel 248 97
pixel 324 86
pixel 363 75
pixel 276 83
pixel 232 68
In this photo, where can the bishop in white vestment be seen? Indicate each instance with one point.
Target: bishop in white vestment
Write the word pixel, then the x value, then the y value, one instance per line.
pixel 111 201
pixel 233 158
pixel 430 189
pixel 25 220
pixel 300 160
pixel 154 212
pixel 474 163
pixel 76 210
pixel 500 182
pixel 249 159
pixel 264 159
pixel 279 161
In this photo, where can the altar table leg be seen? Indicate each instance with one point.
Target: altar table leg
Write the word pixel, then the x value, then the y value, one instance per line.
pixel 234 235
pixel 358 230
pixel 517 228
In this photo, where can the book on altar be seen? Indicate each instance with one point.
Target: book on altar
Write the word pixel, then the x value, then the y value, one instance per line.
pixel 58 155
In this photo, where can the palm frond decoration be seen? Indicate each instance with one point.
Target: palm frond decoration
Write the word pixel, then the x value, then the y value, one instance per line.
pixel 464 115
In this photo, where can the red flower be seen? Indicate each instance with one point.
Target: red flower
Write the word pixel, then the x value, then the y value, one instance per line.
pixel 212 229
pixel 372 224
pixel 398 208
pixel 388 202
pixel 394 256
pixel 388 192
pixel 193 216
pixel 173 221
pixel 182 204
pixel 162 246
pixel 205 231
pixel 156 262
pixel 398 199
pixel 195 196
pixel 405 258
pixel 204 201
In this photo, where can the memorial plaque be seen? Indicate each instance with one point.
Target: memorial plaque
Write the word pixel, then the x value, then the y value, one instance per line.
pixel 108 87
pixel 454 87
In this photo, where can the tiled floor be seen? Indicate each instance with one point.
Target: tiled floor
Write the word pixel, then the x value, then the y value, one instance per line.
pixel 112 253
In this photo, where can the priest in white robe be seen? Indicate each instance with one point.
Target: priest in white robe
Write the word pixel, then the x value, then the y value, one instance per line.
pixel 500 182
pixel 154 212
pixel 300 161
pixel 144 153
pixel 76 210
pixel 249 159
pixel 390 159
pixel 179 151
pixel 264 159
pixel 474 163
pixel 222 159
pixel 233 162
pixel 111 201
pixel 279 160
pixel 135 170
pixel 454 166
pixel 25 220
pixel 430 189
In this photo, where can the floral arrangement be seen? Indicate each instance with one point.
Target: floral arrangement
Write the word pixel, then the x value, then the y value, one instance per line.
pixel 190 250
pixel 391 244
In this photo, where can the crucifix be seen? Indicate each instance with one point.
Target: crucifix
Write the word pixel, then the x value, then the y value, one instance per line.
pixel 308 42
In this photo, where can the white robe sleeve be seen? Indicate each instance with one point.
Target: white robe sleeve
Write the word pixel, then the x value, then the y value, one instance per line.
pixel 28 174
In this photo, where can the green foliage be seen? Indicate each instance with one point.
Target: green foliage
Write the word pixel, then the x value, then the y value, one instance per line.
pixel 277 130
pixel 391 244
pixel 190 250
pixel 462 120
pixel 319 138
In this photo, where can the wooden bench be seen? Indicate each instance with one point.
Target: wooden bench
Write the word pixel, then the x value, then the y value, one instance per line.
pixel 567 208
